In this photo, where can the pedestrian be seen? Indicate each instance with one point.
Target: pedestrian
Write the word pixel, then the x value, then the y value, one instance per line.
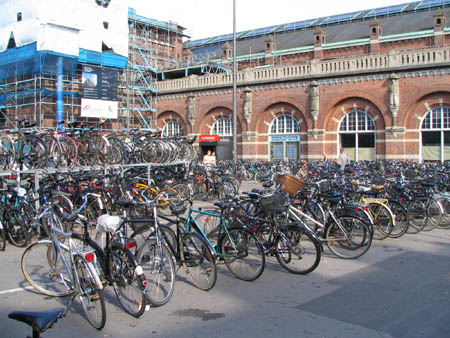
pixel 213 158
pixel 343 159
pixel 207 157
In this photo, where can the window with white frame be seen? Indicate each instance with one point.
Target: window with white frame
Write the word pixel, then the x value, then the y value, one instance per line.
pixel 357 135
pixel 222 126
pixel 284 124
pixel 172 128
pixel 435 134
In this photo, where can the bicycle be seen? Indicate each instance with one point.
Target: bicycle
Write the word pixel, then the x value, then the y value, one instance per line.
pixel 61 267
pixel 237 246
pixel 163 248
pixel 116 264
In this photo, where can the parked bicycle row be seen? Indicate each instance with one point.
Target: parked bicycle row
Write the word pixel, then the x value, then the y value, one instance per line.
pixel 118 229
pixel 78 145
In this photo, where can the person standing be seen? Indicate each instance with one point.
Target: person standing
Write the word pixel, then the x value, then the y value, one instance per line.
pixel 207 158
pixel 343 159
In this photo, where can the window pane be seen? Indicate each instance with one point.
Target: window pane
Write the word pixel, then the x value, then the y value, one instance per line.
pixel 436 123
pixel 351 121
pixel 366 140
pixel 446 117
pixel 361 121
pixel 431 138
pixel 343 124
pixel 427 121
pixel 348 140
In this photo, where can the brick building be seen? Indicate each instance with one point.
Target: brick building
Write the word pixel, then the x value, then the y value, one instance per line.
pixel 376 82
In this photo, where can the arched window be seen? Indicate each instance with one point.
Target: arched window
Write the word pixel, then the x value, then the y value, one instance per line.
pixel 223 127
pixel 172 128
pixel 357 135
pixel 284 124
pixel 435 134
pixel 284 138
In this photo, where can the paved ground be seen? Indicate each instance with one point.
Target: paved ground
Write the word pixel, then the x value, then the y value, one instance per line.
pixel 400 288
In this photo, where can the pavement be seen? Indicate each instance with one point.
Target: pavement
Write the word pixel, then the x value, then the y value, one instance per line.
pixel 400 289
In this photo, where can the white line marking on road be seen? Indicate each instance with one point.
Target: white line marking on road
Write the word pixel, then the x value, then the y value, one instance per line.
pixel 16 290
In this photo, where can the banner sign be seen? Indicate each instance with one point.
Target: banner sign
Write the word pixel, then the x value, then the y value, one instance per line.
pixel 99 92
pixel 208 138
pixel 285 138
pixel 99 108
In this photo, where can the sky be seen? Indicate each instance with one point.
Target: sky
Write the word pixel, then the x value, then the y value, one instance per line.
pixel 208 18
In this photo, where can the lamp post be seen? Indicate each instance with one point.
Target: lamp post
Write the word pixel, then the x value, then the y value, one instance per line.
pixel 234 85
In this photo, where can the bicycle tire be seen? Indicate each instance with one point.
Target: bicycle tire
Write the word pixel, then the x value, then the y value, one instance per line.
pixel 159 269
pixel 127 283
pixel 92 298
pixel 434 214
pixel 16 228
pixel 352 247
pixel 69 150
pixel 383 220
pixel 33 153
pixel 53 150
pixel 2 240
pixel 445 221
pixel 417 215
pixel 297 250
pixel 198 261
pixel 401 219
pixel 7 152
pixel 44 270
pixel 243 253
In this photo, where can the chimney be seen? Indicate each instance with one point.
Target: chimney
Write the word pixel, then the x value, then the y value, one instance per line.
pixel 319 40
pixel 226 51
pixel 440 20
pixel 375 33
pixel 270 45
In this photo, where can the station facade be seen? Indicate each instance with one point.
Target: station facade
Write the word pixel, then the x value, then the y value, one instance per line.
pixel 377 85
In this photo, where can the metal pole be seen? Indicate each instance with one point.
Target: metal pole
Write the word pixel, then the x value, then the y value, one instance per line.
pixel 234 86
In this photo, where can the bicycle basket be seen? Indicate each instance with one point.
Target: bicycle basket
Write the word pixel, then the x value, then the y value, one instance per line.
pixel 289 184
pixel 107 223
pixel 274 201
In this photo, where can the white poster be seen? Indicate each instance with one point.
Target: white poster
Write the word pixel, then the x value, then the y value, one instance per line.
pixel 99 108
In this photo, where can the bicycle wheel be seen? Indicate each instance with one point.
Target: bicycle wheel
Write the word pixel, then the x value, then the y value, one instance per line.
pixel 198 261
pixel 417 215
pixel 53 150
pixel 128 283
pixel 434 213
pixel 383 220
pixel 167 197
pixel 348 239
pixel 7 153
pixel 33 153
pixel 91 297
pixel 2 238
pixel 401 219
pixel 69 150
pixel 114 151
pixel 159 269
pixel 445 220
pixel 297 250
pixel 45 270
pixel 16 227
pixel 242 253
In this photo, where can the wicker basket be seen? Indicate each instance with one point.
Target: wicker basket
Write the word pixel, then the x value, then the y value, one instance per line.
pixel 289 184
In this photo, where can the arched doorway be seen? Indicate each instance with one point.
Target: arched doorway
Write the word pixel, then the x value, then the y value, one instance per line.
pixel 357 135
pixel 284 138
pixel 435 134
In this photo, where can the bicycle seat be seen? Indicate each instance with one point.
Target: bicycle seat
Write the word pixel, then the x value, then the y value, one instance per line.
pixel 125 204
pixel 222 205
pixel 177 209
pixel 39 321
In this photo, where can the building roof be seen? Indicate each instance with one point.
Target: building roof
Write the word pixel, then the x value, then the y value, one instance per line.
pixel 397 20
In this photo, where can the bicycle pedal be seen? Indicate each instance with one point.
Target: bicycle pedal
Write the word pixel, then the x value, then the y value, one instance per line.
pixel 95 298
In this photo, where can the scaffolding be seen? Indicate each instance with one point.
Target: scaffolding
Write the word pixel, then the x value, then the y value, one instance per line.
pixel 29 77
